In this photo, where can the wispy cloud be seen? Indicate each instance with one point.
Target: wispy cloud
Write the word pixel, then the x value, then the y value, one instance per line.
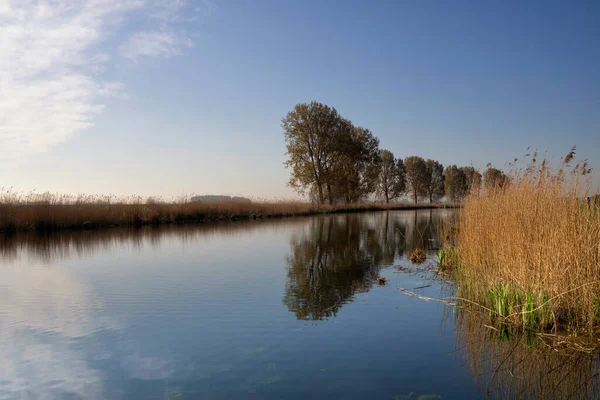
pixel 52 55
pixel 154 44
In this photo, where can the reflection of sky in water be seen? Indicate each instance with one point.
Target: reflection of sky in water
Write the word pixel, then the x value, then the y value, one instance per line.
pixel 43 314
pixel 78 316
pixel 207 312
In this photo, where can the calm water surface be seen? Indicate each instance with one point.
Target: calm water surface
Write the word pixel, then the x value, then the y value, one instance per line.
pixel 285 309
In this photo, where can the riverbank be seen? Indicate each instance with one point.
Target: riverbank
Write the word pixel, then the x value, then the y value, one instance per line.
pixel 57 214
pixel 528 252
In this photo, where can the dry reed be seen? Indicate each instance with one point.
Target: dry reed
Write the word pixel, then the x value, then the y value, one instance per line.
pixel 417 256
pixel 46 211
pixel 530 249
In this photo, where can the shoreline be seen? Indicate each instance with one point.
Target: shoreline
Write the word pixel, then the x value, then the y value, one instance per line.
pixel 46 218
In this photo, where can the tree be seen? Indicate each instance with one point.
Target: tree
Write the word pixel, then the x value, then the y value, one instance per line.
pixel 494 177
pixel 434 181
pixel 455 183
pixel 355 170
pixel 416 176
pixel 475 187
pixel 474 179
pixel 391 181
pixel 312 135
pixel 401 187
pixel 329 157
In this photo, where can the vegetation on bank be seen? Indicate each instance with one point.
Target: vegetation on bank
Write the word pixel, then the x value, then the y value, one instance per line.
pixel 46 212
pixel 527 249
pixel 333 161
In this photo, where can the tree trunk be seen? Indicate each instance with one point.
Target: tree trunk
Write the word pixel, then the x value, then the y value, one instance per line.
pixel 321 197
pixel 329 194
pixel 416 197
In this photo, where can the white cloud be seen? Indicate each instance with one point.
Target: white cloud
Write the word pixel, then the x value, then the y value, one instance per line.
pixel 52 56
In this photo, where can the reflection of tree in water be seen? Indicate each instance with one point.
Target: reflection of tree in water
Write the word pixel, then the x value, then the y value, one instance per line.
pixel 422 230
pixel 510 365
pixel 387 237
pixel 327 266
pixel 341 255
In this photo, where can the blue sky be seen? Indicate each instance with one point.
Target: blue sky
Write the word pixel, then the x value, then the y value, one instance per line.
pixel 177 97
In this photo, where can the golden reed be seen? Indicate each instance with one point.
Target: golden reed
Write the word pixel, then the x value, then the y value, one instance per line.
pixel 47 211
pixel 531 244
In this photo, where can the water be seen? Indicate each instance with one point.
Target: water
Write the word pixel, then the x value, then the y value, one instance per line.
pixel 282 309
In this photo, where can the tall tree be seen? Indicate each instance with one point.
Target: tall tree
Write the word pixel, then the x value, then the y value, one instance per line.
pixel 416 176
pixel 356 167
pixel 401 187
pixel 474 179
pixel 475 187
pixel 312 135
pixel 434 180
pixel 391 182
pixel 455 183
pixel 493 177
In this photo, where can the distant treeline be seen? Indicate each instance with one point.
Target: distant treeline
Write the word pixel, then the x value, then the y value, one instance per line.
pixel 335 162
pixel 219 198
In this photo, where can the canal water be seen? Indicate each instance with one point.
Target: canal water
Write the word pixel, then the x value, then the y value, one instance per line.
pixel 272 309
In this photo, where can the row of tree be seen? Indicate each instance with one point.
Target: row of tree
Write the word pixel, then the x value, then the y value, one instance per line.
pixel 334 161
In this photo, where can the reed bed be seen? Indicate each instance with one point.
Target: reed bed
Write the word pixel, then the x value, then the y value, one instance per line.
pixel 46 211
pixel 528 251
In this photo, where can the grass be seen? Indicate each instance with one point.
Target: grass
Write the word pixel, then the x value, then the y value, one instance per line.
pixel 529 251
pixel 448 259
pixel 47 212
pixel 531 308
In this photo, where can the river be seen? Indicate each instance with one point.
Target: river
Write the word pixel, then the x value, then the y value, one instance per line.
pixel 272 309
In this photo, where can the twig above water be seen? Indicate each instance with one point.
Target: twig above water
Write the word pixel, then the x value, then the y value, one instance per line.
pixel 413 294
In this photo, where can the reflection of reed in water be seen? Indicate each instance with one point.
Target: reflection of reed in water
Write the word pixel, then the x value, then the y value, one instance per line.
pixel 62 245
pixel 508 364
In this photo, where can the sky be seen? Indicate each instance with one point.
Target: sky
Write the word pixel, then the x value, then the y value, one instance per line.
pixel 176 97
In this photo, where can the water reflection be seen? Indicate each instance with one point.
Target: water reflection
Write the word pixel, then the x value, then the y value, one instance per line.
pixel 326 268
pixel 66 318
pixel 196 311
pixel 524 365
pixel 42 313
pixel 49 248
pixel 339 256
